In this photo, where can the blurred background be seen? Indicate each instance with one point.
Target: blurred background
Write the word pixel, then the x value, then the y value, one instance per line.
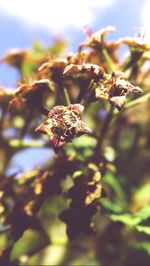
pixel 24 22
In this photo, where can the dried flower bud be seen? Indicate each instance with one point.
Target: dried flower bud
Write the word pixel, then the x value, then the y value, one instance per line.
pixel 30 95
pixel 85 71
pixel 53 71
pixel 84 194
pixel 15 58
pixel 5 97
pixel 64 124
pixel 115 89
pixel 98 43
pixel 95 39
pixel 137 43
pixel 78 58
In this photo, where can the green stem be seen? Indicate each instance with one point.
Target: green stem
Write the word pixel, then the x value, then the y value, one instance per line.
pixel 66 97
pixel 142 99
pixel 104 130
pixel 88 92
pixel 17 143
pixel 108 61
pixel 85 93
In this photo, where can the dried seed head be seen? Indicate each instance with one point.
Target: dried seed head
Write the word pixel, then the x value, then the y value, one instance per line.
pixel 64 124
pixel 115 89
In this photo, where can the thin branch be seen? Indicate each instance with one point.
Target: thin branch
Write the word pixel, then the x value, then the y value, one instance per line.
pixel 18 143
pixel 108 60
pixel 142 99
pixel 104 130
pixel 66 96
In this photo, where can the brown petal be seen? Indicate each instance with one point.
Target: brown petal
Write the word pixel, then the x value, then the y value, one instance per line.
pixel 57 110
pixel 43 128
pixel 15 57
pixel 84 71
pixel 56 143
pixel 78 107
pixel 95 38
pixel 136 43
pixel 101 92
pixel 118 101
pixel 136 89
pixel 40 84
pixel 84 129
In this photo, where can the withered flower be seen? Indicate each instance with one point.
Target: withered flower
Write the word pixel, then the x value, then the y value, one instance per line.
pixel 98 43
pixel 138 47
pixel 5 97
pixel 15 57
pixel 84 194
pixel 87 186
pixel 137 43
pixel 87 71
pixel 63 124
pixel 53 71
pixel 78 58
pixel 30 95
pixel 115 89
pixel 95 39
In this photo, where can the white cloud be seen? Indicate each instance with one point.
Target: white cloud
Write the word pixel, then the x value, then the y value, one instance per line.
pixel 55 14
pixel 146 19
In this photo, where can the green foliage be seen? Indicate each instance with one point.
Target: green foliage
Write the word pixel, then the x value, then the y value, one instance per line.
pixel 135 220
pixel 88 204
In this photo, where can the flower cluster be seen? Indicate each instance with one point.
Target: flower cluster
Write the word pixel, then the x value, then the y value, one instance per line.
pixel 89 178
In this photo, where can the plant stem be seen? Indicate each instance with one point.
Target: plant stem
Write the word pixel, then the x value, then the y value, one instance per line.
pixel 142 99
pixel 17 143
pixel 88 92
pixel 109 62
pixel 85 93
pixel 104 130
pixel 66 96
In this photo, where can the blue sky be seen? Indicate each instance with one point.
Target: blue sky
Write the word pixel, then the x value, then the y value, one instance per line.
pixel 21 22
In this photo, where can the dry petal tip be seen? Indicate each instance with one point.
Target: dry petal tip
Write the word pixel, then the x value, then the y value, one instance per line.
pixel 78 107
pixel 84 129
pixel 41 128
pixel 137 89
pixel 56 143
pixel 118 101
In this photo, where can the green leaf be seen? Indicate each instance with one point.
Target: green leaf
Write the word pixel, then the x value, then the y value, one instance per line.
pixel 84 142
pixel 81 147
pixel 142 195
pixel 143 213
pixel 28 244
pixel 134 220
pixel 144 245
pixel 110 206
pixel 126 219
pixel 143 229
pixel 18 143
pixel 120 196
